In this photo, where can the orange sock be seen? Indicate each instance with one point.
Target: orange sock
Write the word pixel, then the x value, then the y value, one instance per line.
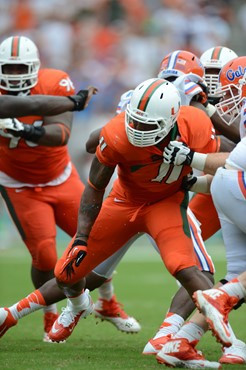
pixel 29 304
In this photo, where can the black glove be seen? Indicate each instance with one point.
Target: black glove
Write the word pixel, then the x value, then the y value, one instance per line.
pixel 79 100
pixel 188 181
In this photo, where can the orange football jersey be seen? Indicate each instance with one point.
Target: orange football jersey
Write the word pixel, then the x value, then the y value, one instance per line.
pixel 142 175
pixel 26 161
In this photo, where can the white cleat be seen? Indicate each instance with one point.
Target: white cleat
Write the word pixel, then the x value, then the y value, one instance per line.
pixel 68 319
pixel 113 312
pixel 235 354
pixel 215 304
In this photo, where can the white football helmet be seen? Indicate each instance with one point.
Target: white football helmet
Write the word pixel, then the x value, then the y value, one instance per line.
pixel 154 105
pixel 213 60
pixel 19 50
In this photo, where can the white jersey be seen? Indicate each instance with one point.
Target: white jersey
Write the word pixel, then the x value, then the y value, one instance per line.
pixel 187 86
pixel 237 157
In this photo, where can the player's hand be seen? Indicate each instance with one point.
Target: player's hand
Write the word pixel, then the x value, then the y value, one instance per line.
pixel 188 181
pixel 12 126
pixel 75 256
pixel 82 98
pixel 178 153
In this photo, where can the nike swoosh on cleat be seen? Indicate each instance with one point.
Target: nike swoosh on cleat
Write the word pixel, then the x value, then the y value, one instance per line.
pixel 54 330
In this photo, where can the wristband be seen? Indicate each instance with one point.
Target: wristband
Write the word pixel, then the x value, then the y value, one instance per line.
pixel 210 110
pixel 198 161
pixel 201 185
pixel 32 133
pixel 79 242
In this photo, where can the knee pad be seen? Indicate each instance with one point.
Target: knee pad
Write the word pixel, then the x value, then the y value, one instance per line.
pixel 44 255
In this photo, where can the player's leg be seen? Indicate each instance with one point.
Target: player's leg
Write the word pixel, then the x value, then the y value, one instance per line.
pixel 182 305
pixel 99 249
pixel 107 307
pixel 205 212
pixel 176 248
pixel 36 225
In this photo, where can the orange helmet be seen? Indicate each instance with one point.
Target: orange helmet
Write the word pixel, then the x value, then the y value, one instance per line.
pixel 233 89
pixel 178 63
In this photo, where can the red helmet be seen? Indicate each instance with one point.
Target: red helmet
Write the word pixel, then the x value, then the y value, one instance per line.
pixel 180 62
pixel 233 89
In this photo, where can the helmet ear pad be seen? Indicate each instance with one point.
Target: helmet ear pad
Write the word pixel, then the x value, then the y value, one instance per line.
pixel 154 106
pixel 19 64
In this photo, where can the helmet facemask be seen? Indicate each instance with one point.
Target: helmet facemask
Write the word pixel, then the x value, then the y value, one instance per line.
pixel 229 108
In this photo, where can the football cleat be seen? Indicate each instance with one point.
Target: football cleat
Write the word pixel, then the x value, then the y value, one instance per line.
pixel 216 304
pixel 179 352
pixel 6 320
pixel 155 345
pixel 113 312
pixel 235 354
pixel 68 319
pixel 49 319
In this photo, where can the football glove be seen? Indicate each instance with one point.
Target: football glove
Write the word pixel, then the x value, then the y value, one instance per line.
pixel 178 153
pixel 75 256
pixel 188 181
pixel 18 129
pixel 82 98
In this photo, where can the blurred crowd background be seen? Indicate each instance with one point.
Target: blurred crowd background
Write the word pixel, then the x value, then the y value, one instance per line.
pixel 116 44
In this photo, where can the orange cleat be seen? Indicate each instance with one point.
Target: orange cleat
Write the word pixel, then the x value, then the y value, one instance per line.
pixel 6 320
pixel 179 352
pixel 113 312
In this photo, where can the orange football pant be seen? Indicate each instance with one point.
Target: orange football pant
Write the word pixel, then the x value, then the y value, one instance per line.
pixel 37 211
pixel 119 220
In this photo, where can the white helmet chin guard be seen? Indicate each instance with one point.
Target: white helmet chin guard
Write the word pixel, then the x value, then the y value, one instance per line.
pixel 19 50
pixel 155 105
pixel 215 58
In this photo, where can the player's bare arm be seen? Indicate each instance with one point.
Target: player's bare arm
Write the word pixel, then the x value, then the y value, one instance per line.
pixel 19 106
pixel 92 198
pixel 93 141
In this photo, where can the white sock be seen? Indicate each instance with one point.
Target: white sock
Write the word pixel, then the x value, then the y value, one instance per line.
pixel 171 325
pixel 51 308
pixel 106 290
pixel 234 289
pixel 190 331
pixel 79 302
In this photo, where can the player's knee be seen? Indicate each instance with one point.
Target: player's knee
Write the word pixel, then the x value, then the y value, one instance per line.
pixel 45 256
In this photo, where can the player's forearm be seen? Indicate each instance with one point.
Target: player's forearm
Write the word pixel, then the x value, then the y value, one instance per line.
pixel 12 106
pixel 55 135
pixel 208 163
pixel 90 207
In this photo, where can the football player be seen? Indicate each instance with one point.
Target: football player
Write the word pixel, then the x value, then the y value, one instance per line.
pixel 35 166
pixel 146 196
pixel 231 209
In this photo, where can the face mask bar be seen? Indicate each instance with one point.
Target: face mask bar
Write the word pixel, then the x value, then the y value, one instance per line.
pixel 19 82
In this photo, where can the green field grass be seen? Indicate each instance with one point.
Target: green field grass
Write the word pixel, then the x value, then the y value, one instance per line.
pixel 141 283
